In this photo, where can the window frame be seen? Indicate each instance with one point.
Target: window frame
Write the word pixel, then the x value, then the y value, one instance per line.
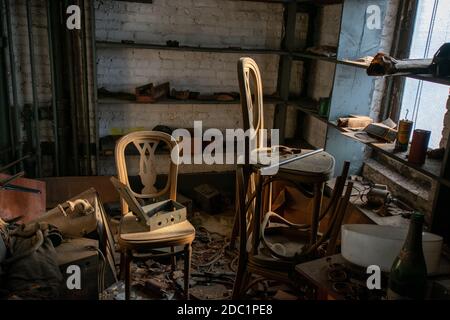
pixel 401 48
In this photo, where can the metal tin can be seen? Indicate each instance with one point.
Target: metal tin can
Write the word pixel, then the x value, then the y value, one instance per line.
pixel 419 146
pixel 403 135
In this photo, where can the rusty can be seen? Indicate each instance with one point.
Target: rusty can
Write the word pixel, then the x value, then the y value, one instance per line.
pixel 403 135
pixel 419 146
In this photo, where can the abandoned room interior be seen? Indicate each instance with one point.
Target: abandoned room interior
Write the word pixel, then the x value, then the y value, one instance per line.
pixel 259 150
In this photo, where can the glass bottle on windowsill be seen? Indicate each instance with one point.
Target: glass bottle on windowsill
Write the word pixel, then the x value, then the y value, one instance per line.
pixel 408 276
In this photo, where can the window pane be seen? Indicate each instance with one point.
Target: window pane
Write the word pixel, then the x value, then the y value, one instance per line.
pixel 425 103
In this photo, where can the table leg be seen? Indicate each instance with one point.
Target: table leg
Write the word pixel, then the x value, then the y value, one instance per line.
pixel 187 269
pixel 257 214
pixel 318 194
pixel 128 258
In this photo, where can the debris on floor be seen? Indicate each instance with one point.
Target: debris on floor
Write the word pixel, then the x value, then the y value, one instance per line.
pixel 213 269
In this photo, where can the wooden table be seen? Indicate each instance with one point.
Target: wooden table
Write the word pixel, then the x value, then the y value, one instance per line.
pixel 315 170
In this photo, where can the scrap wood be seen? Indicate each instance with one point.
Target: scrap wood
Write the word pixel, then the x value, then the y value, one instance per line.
pixel 150 93
pixel 326 51
pixel 180 95
pixel 104 93
pixel 156 286
pixel 354 122
pixel 383 64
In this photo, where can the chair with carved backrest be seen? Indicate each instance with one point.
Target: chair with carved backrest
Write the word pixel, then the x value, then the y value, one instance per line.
pixel 133 236
pixel 266 247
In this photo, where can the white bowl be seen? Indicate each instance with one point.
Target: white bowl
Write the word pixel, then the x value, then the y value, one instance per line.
pixel 365 245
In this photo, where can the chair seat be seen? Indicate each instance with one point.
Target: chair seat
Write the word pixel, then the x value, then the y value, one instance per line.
pixel 132 234
pixel 318 167
pixel 321 163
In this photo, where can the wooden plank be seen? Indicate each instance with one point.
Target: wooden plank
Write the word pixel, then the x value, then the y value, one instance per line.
pixel 151 46
pixel 61 189
pixel 267 100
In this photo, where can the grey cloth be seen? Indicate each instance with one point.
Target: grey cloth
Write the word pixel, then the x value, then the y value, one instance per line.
pixel 31 271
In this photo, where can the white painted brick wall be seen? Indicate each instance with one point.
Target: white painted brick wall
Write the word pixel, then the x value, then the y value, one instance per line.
pixel 208 22
pixel 211 23
pixel 125 69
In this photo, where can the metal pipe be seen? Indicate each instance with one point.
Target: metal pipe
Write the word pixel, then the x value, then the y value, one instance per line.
pixel 12 61
pixel 54 100
pixel 94 86
pixel 85 90
pixel 4 91
pixel 289 160
pixel 12 164
pixel 37 138
pixel 73 111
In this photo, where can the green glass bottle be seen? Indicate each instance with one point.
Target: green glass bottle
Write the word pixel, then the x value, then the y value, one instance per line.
pixel 408 276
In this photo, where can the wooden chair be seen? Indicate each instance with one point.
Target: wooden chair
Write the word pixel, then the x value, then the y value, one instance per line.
pixel 134 238
pixel 300 243
pixel 253 194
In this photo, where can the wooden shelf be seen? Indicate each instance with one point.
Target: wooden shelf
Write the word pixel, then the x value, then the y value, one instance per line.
pixel 308 106
pixel 305 55
pixel 312 2
pixel 150 46
pixel 267 100
pixel 362 65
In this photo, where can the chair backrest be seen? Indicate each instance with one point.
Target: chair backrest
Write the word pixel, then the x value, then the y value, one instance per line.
pixel 251 100
pixel 251 93
pixel 146 143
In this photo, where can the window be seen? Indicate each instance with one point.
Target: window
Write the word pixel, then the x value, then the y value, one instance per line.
pixel 425 102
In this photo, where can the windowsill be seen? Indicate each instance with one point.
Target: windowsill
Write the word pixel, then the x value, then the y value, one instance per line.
pixel 357 203
pixel 403 183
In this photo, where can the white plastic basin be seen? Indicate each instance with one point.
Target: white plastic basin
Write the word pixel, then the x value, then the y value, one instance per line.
pixel 365 245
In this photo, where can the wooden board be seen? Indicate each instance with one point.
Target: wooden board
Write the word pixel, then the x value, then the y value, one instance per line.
pixel 61 189
pixel 28 205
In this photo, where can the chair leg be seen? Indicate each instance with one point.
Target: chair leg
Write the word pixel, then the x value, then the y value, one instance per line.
pixel 318 195
pixel 187 269
pixel 240 279
pixel 122 266
pixel 127 265
pixel 173 259
pixel 235 230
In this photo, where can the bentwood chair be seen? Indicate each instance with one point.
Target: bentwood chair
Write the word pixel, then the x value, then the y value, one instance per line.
pixel 290 244
pixel 135 239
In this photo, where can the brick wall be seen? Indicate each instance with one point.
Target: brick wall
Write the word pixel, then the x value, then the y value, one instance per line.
pixel 207 23
pixel 211 23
